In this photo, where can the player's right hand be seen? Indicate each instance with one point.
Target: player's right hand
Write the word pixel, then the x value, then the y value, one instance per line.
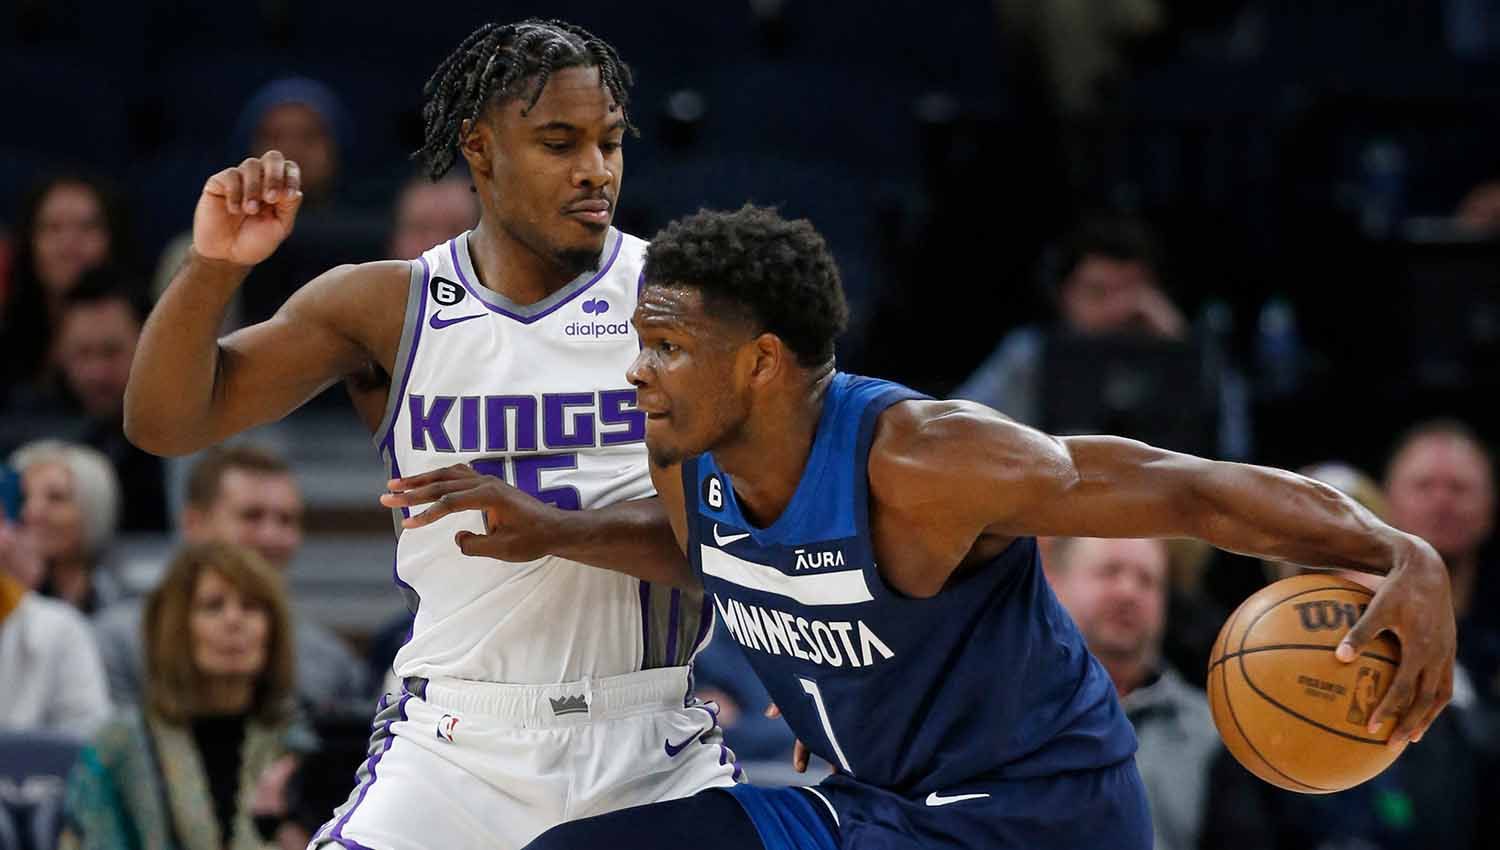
pixel 246 211
pixel 518 527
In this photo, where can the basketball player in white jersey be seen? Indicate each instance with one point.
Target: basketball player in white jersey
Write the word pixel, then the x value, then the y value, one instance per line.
pixel 534 692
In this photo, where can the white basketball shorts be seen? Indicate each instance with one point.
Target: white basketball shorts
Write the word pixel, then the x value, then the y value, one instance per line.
pixel 468 765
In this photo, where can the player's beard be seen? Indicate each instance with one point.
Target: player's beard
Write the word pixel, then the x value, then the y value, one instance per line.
pixel 578 261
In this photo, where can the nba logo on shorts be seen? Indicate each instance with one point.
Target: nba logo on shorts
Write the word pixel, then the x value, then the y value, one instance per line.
pixel 446 726
pixel 1363 700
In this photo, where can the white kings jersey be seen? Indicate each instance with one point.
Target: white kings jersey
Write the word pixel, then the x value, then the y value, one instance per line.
pixel 535 394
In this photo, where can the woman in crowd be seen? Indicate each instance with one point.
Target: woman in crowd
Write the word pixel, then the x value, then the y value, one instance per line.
pixel 179 772
pixel 68 224
pixel 71 505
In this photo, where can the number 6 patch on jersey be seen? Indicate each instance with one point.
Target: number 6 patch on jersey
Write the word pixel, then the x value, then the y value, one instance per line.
pixel 713 492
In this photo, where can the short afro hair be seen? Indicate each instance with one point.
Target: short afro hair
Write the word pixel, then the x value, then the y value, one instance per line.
pixel 779 273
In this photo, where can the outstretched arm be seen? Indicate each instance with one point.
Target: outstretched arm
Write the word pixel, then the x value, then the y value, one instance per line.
pixel 974 473
pixel 633 537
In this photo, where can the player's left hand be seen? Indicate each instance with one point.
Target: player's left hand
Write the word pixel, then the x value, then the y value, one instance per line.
pixel 1414 604
pixel 516 524
pixel 800 753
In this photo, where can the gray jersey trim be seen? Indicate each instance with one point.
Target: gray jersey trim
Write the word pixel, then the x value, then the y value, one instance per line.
pixel 527 313
pixel 406 352
pixel 675 624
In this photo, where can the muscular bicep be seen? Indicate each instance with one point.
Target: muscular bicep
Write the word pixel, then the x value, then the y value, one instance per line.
pixel 1099 486
pixel 333 326
pixel 964 470
pixel 668 481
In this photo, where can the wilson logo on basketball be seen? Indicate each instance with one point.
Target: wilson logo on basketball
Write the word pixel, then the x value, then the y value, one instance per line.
pixel 1328 615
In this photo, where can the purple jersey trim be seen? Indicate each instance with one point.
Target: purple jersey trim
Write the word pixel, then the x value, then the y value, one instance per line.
pixel 645 624
pixel 526 320
pixel 338 829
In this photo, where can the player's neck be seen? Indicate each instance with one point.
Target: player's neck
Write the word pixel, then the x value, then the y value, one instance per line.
pixel 507 266
pixel 768 460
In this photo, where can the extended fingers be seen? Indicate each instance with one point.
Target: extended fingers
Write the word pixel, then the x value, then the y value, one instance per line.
pixel 467 499
pixel 425 493
pixel 448 473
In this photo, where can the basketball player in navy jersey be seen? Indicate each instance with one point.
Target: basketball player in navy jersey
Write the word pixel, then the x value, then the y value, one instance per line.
pixel 505 347
pixel 874 553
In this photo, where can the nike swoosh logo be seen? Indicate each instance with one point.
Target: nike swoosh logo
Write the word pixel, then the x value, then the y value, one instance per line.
pixel 934 799
pixel 674 749
pixel 438 322
pixel 726 539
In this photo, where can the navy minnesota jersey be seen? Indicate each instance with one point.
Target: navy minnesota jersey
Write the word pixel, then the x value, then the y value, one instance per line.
pixel 988 680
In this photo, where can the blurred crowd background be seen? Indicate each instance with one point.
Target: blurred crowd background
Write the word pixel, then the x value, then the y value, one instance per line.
pixel 1258 230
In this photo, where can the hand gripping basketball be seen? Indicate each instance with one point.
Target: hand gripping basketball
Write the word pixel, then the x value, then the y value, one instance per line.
pixel 246 211
pixel 1415 605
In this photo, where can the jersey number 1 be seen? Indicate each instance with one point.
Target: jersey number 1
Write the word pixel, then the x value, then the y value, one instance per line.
pixel 811 689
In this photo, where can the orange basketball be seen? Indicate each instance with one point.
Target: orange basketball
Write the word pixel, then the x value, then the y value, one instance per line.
pixel 1288 710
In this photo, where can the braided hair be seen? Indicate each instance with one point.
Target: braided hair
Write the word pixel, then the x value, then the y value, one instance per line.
pixel 497 61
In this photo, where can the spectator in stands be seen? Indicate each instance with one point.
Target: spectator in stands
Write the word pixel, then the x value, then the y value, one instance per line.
pixel 1105 282
pixel 305 120
pixel 295 794
pixel 53 678
pixel 71 503
pixel 96 338
pixel 173 772
pixel 1480 209
pixel 1440 484
pixel 428 213
pixel 1116 591
pixel 247 496
pixel 68 224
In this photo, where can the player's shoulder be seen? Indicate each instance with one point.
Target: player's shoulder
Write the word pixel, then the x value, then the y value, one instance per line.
pixel 364 301
pixel 375 278
pixel 632 244
pixel 921 444
pixel 379 283
pixel 630 259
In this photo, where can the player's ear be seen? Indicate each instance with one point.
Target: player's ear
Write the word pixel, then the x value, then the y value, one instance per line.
pixel 474 140
pixel 770 359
